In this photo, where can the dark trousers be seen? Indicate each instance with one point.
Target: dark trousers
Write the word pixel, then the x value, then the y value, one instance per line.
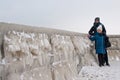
pixel 106 58
pixel 101 59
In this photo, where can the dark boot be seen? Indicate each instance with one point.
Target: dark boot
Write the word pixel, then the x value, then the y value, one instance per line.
pixel 108 64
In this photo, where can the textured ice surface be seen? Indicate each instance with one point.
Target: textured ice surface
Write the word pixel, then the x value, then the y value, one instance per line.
pixel 35 56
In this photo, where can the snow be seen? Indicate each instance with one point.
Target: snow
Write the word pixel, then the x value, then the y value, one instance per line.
pixel 7 39
pixel 117 58
pixel 101 73
pixel 21 77
pixel 3 61
pixel 65 65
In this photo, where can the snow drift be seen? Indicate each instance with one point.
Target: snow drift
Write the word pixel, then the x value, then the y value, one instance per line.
pixel 34 56
pixel 40 54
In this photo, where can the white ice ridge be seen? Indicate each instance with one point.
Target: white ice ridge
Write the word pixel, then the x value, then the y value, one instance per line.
pixel 39 56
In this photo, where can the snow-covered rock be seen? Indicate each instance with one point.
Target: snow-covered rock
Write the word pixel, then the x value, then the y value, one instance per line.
pixel 39 56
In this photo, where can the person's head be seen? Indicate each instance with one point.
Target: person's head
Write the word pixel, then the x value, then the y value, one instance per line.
pixel 97 20
pixel 99 29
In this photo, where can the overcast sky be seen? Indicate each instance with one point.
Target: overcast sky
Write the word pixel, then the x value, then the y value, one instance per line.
pixel 72 15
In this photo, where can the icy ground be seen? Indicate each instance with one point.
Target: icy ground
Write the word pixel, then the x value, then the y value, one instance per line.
pixel 101 73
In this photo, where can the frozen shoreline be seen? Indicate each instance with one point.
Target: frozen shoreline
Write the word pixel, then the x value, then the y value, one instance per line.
pixel 101 73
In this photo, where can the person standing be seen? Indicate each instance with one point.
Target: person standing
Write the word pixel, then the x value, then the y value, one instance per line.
pixel 99 39
pixel 93 31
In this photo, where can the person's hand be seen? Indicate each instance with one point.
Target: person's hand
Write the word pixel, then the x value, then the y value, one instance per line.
pixel 88 35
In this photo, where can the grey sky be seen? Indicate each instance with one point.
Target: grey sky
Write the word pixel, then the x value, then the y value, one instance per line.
pixel 73 15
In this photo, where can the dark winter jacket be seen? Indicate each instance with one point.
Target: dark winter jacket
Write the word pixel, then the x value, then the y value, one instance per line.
pixel 100 43
pixel 93 29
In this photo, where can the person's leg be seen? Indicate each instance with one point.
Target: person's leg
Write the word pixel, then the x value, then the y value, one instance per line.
pixel 100 60
pixel 106 58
